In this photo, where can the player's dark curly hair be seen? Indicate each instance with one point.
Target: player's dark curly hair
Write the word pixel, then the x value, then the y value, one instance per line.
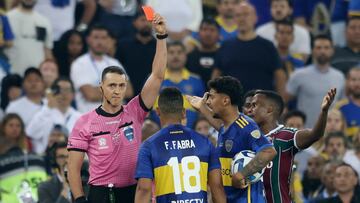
pixel 230 86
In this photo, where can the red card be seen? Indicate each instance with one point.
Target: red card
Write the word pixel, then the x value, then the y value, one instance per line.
pixel 149 13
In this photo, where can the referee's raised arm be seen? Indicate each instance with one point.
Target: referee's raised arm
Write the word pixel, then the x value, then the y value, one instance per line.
pixel 152 85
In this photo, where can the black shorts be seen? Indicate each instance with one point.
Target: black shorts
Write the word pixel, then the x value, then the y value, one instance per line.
pixel 101 194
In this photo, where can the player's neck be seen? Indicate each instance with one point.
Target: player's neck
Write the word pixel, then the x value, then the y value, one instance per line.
pixel 110 108
pixel 267 127
pixel 230 117
pixel 170 121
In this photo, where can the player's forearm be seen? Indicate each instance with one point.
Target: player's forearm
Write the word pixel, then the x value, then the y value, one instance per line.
pixel 160 59
pixel 306 138
pixel 142 195
pixel 259 161
pixel 208 114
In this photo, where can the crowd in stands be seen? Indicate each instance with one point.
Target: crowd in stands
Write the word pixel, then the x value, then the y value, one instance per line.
pixel 52 53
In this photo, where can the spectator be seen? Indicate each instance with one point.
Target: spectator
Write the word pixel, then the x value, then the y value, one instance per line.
pixel 350 106
pixel 284 35
pixel 149 128
pixel 58 111
pixel 339 16
pixel 71 45
pixel 6 41
pixel 346 183
pixel 57 189
pixel 352 157
pixel 335 122
pixel 300 43
pixel 117 16
pixel 306 83
pixel 27 105
pixel 181 21
pixel 202 59
pixel 10 89
pixel 349 56
pixel 327 188
pixel 178 76
pixel 50 71
pixel 226 19
pixel 311 179
pixel 57 135
pixel 33 37
pixel 112 44
pixel 137 63
pixel 65 10
pixel 335 146
pixel 203 127
pixel 20 171
pixel 250 58
pixel 86 69
pixel 295 119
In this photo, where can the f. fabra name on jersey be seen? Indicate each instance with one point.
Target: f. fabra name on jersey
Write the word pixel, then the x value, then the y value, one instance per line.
pixel 179 144
pixel 188 201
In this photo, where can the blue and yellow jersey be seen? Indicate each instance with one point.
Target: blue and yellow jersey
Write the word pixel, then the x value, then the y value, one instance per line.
pixel 189 84
pixel 351 114
pixel 178 160
pixel 243 134
pixel 354 8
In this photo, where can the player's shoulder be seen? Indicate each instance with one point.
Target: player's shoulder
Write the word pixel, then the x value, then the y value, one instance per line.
pixel 246 125
pixel 284 133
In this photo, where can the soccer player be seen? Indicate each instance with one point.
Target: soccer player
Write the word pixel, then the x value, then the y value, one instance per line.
pixel 110 135
pixel 266 109
pixel 237 132
pixel 180 161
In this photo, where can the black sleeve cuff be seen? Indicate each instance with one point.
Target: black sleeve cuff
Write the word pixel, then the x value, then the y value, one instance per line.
pixel 142 104
pixel 81 199
pixel 76 149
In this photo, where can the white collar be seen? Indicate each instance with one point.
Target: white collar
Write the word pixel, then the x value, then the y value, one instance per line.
pixel 274 130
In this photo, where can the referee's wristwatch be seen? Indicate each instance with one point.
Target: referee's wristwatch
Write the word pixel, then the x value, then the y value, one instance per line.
pixel 81 199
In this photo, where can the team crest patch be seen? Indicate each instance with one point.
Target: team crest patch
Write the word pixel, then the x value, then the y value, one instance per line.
pixel 228 145
pixel 256 134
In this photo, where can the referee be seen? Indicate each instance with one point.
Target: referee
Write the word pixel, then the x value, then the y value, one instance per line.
pixel 110 135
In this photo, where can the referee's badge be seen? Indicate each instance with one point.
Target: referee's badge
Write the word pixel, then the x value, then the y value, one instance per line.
pixel 129 133
pixel 228 145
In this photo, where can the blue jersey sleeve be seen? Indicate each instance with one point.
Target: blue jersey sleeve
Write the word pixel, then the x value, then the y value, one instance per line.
pixel 214 162
pixel 257 140
pixel 144 167
pixel 8 34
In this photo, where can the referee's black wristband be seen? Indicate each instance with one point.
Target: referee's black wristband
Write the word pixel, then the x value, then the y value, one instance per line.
pixel 81 199
pixel 164 36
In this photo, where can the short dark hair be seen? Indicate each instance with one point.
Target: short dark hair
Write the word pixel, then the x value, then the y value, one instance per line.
pixel 275 98
pixel 286 22
pixel 175 44
pixel 55 84
pixel 295 113
pixel 355 68
pixel 338 134
pixel 32 70
pixel 249 93
pixel 230 86
pixel 290 3
pixel 112 69
pixel 97 27
pixel 322 37
pixel 171 101
pixel 210 21
pixel 351 18
pixel 348 165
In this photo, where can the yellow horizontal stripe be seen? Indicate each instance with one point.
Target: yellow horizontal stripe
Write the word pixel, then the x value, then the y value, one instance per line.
pixel 241 126
pixel 226 170
pixel 164 181
pixel 242 118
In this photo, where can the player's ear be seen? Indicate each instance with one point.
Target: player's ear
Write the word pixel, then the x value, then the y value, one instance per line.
pixel 226 100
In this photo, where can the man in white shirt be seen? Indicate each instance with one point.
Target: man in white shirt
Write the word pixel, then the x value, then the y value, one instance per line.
pixel 86 70
pixel 33 37
pixel 27 105
pixel 281 9
pixel 58 111
pixel 65 10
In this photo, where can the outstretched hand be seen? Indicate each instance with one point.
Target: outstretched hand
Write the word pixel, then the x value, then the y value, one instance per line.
pixel 328 99
pixel 196 102
pixel 159 24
